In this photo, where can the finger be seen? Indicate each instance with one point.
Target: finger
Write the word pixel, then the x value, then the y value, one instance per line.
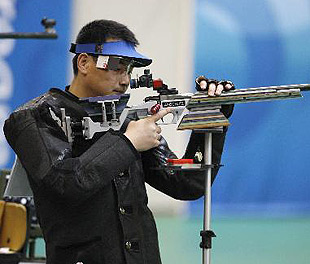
pixel 203 85
pixel 158 129
pixel 156 138
pixel 160 115
pixel 228 86
pixel 157 143
pixel 211 89
pixel 219 89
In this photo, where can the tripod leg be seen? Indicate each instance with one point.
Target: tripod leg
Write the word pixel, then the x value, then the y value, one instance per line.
pixel 207 234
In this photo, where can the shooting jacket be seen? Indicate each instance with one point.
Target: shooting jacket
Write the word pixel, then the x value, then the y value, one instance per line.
pixel 90 196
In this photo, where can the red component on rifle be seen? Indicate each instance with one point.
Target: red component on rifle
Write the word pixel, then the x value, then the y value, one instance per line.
pixel 154 109
pixel 180 161
pixel 158 84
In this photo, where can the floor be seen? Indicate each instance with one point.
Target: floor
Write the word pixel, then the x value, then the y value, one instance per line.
pixel 238 241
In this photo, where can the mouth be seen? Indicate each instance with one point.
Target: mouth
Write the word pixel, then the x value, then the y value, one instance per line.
pixel 118 91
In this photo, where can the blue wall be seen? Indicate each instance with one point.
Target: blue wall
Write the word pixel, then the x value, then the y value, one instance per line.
pixel 32 66
pixel 260 43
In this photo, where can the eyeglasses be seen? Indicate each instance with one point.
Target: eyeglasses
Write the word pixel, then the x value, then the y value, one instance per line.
pixel 115 63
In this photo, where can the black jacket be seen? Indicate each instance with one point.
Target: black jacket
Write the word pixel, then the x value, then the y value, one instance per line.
pixel 90 197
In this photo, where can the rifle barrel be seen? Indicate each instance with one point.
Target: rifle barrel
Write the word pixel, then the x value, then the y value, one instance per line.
pixel 301 87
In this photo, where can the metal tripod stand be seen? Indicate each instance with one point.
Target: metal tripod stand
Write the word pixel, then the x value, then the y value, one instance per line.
pixel 207 234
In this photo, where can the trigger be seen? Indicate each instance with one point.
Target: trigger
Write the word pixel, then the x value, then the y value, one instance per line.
pixel 175 117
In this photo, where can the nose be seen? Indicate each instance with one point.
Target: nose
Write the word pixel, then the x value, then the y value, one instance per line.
pixel 124 78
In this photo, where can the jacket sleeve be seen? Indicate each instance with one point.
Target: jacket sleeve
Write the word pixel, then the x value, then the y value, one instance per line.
pixel 183 184
pixel 46 155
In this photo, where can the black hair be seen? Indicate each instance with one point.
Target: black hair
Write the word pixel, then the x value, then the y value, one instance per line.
pixel 98 31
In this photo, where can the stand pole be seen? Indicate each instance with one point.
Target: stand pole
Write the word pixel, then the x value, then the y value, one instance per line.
pixel 206 258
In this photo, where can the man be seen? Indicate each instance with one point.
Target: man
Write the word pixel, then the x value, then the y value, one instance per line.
pixel 90 195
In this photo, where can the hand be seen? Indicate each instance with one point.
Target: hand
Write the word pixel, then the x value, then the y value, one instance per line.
pixel 214 87
pixel 144 134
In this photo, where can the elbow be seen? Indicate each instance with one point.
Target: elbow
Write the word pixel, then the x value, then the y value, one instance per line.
pixel 190 194
pixel 196 195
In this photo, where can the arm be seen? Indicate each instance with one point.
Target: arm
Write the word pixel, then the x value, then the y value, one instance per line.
pixel 184 185
pixel 47 157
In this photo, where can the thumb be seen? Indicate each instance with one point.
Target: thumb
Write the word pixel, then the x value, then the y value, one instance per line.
pixel 203 85
pixel 160 114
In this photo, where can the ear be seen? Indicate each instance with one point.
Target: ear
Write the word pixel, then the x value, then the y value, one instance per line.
pixel 83 63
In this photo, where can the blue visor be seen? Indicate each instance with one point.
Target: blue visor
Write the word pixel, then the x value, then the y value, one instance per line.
pixel 116 48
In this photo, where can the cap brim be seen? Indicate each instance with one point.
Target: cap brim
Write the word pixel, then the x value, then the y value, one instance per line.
pixel 115 48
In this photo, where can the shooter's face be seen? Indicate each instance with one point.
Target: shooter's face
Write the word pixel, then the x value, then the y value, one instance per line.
pixel 105 82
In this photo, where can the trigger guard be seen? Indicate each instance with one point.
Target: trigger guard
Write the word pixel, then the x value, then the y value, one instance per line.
pixel 173 121
pixel 175 118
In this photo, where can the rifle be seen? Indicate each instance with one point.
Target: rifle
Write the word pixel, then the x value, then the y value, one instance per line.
pixel 110 112
pixel 190 111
